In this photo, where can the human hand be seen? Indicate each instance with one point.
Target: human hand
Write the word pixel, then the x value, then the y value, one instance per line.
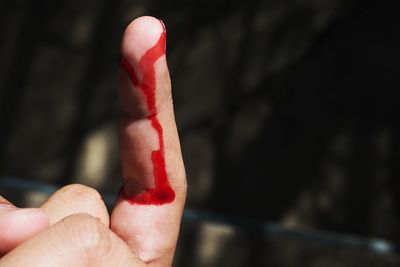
pixel 144 224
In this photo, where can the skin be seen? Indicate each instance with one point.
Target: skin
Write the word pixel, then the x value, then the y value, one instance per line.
pixel 73 228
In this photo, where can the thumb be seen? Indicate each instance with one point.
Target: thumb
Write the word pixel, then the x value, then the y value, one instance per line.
pixel 79 240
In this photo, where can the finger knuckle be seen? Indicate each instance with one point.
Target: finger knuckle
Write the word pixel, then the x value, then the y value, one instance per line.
pixel 92 236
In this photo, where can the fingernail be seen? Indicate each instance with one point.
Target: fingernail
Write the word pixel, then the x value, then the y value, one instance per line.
pixel 4 201
pixel 164 34
pixel 162 23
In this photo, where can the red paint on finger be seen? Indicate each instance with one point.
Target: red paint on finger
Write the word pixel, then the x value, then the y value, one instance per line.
pixel 162 192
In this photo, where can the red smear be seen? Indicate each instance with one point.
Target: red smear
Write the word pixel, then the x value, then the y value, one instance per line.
pixel 162 193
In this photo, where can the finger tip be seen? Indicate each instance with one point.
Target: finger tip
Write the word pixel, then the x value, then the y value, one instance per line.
pixel 75 198
pixel 140 35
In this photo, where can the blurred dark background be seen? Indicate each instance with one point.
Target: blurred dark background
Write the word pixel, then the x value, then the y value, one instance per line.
pixel 287 113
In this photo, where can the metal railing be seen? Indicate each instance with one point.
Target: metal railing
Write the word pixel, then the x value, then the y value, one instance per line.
pixel 266 229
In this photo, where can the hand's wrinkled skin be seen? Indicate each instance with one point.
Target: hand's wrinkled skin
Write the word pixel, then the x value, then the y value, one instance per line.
pixel 73 227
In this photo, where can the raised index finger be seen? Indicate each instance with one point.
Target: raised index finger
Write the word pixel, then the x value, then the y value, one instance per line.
pixel 148 211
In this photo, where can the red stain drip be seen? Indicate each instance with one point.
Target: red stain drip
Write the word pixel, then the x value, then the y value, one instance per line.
pixel 162 193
